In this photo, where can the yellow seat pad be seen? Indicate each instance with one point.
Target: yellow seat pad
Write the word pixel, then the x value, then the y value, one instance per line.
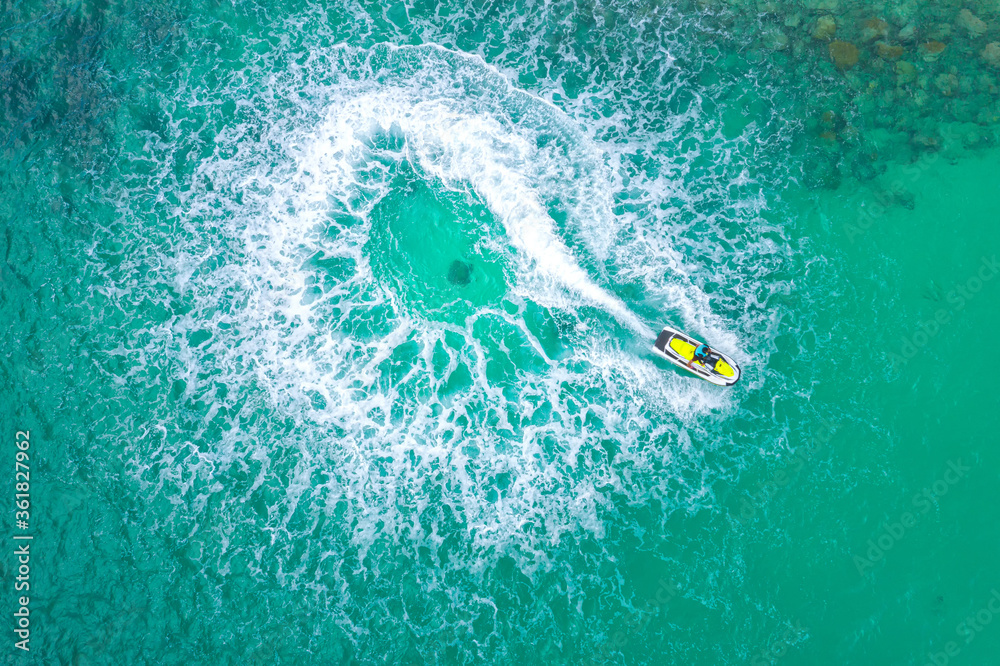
pixel 724 368
pixel 685 349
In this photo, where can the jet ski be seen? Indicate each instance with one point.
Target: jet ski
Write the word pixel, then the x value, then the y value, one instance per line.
pixel 678 348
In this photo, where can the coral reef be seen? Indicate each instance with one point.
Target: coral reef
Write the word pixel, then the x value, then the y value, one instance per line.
pixel 915 78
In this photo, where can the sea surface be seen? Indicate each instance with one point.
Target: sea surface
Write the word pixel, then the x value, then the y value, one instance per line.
pixel 331 324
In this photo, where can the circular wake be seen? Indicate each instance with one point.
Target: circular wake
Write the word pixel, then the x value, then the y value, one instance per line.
pixel 386 246
pixel 387 338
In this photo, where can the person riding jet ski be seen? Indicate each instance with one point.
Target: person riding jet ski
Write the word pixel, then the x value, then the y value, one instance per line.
pixel 700 355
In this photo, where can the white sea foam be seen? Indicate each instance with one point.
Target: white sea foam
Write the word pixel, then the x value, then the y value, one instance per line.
pixel 517 454
pixel 336 437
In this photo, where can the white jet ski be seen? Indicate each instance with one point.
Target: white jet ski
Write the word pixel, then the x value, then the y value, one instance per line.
pixel 679 349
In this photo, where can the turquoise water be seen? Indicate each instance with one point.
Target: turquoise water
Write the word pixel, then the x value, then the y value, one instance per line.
pixel 331 325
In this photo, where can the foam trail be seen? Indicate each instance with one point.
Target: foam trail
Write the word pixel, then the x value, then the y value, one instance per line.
pixel 468 151
pixel 403 404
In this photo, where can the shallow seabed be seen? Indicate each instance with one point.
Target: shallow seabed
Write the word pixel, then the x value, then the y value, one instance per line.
pixel 331 324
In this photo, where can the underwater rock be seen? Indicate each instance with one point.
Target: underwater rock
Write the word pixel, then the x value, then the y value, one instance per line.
pixel 986 83
pixel 793 20
pixel 906 199
pixel 888 51
pixel 926 141
pixel 906 73
pixel 831 179
pixel 844 54
pixel 962 111
pixel 822 171
pixel 908 32
pixel 460 273
pixel 971 23
pixel 863 167
pixel 902 12
pixel 873 29
pixel 988 115
pixel 940 32
pixel 946 83
pixel 931 51
pixel 775 40
pixel 991 54
pixel 970 134
pixel 826 28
